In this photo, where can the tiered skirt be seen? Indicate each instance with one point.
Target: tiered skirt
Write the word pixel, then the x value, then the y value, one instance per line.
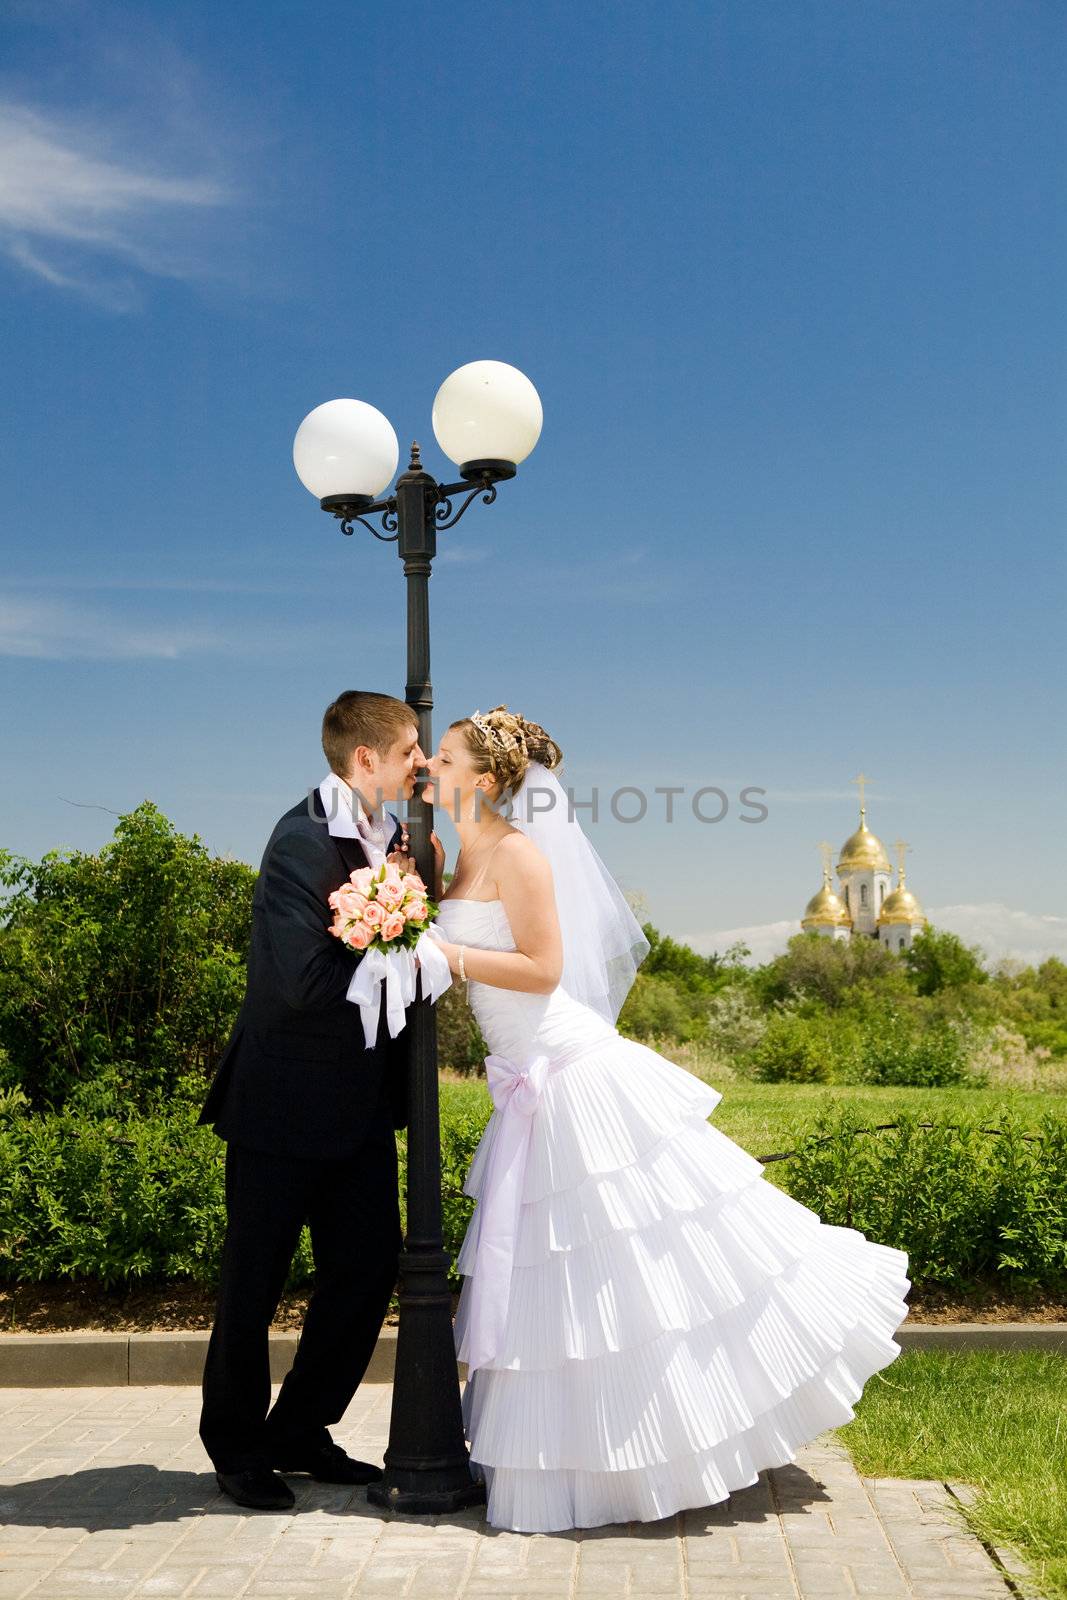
pixel 675 1322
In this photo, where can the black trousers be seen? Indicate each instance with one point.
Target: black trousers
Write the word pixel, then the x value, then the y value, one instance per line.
pixel 352 1210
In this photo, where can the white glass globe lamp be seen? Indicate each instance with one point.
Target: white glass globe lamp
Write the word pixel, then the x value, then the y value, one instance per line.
pixel 345 452
pixel 487 417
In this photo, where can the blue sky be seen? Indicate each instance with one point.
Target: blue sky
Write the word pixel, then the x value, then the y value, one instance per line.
pixel 789 280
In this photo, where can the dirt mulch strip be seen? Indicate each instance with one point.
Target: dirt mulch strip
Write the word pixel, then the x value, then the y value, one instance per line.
pixel 180 1307
pixel 144 1308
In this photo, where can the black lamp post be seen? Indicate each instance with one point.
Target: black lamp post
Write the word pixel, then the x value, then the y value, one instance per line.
pixel 349 450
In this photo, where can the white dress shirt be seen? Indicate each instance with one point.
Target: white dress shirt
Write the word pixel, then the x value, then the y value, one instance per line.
pixel 348 818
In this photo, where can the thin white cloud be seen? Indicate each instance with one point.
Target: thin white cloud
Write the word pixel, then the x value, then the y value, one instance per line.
pixel 765 940
pixel 21 252
pixel 57 631
pixel 163 585
pixel 51 629
pixel 1005 932
pixel 64 195
pixel 1002 932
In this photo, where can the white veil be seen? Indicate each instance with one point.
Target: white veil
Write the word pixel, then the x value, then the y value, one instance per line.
pixel 603 945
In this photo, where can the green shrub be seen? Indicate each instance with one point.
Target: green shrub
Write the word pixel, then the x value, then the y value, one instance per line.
pixel 655 1006
pixel 965 1204
pixel 735 1025
pixel 897 1040
pixel 114 1201
pixel 143 1198
pixel 917 1050
pixel 793 1049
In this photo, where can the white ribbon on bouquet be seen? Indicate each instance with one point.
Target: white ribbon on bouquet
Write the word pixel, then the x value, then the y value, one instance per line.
pixel 397 971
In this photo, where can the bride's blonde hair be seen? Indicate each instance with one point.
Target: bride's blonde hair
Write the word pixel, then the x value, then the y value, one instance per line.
pixel 503 743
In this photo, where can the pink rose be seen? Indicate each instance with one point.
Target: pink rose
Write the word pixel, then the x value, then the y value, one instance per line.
pixel 358 936
pixel 351 903
pixel 413 883
pixel 390 895
pixel 416 911
pixel 373 914
pixel 393 926
pixel 361 878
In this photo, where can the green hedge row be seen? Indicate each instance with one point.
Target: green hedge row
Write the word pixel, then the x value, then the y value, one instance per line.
pixel 969 1199
pixel 142 1199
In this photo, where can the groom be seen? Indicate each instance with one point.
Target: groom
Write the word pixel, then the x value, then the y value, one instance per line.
pixel 308 1113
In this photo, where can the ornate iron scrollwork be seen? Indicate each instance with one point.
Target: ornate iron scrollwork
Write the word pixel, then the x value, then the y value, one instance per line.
pixel 389 523
pixel 443 510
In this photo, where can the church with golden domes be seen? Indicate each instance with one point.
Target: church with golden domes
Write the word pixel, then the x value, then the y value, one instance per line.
pixel 867 905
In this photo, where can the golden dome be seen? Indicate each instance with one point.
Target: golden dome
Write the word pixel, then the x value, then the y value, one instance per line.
pixel 825 910
pixel 901 906
pixel 863 849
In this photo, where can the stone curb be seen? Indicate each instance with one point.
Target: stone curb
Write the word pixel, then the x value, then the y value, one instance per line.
pixel 104 1360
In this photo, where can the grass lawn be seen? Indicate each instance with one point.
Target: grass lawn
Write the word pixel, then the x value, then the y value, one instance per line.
pixel 995 1420
pixel 765 1118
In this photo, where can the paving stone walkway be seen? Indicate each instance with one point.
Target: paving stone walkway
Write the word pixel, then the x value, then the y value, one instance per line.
pixel 108 1492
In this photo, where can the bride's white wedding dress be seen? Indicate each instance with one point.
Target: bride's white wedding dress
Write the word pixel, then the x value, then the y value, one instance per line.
pixel 673 1322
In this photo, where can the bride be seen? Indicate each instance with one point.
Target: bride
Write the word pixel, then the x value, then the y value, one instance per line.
pixel 646 1320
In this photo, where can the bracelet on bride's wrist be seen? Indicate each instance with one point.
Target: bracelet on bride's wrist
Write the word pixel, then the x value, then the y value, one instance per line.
pixel 462 968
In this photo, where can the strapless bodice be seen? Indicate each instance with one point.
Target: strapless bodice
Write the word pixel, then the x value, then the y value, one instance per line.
pixel 514 1024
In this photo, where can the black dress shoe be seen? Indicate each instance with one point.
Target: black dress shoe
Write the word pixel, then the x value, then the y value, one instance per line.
pixel 260 1488
pixel 328 1463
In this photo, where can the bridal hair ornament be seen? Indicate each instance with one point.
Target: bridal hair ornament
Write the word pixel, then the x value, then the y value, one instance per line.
pixel 498 736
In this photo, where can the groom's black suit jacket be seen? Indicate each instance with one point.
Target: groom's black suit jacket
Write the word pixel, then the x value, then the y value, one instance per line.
pixel 296 1076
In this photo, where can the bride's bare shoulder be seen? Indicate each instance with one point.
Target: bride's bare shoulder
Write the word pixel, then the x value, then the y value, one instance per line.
pixel 518 859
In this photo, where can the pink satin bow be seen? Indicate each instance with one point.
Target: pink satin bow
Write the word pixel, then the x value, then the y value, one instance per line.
pixel 516 1092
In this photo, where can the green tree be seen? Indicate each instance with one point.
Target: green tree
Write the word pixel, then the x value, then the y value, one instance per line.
pixel 1034 1001
pixel 657 1008
pixel 680 965
pixel 121 973
pixel 939 960
pixel 828 972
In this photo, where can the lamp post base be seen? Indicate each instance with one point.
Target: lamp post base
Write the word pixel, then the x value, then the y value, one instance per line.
pixel 406 1491
pixel 427 1467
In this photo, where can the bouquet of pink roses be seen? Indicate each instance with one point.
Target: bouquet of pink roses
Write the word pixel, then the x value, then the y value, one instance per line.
pixel 387 915
pixel 381 910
